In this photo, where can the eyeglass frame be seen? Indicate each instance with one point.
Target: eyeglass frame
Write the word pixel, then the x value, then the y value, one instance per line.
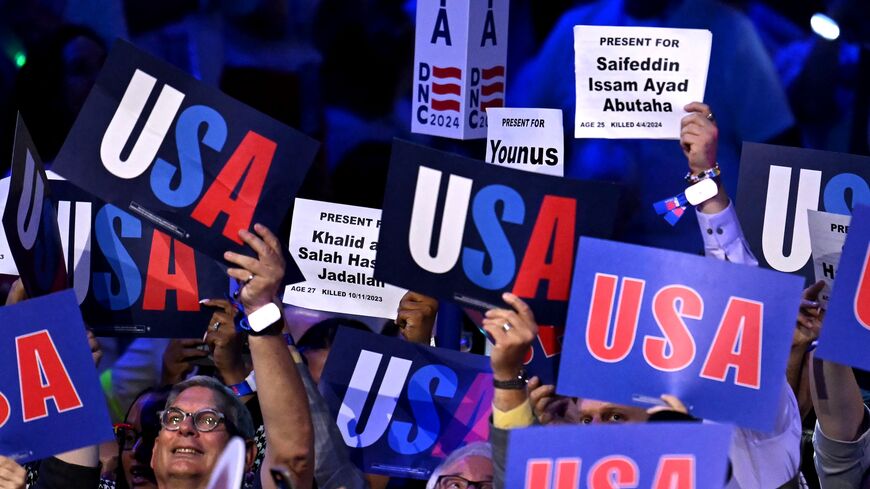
pixel 468 483
pixel 117 428
pixel 221 419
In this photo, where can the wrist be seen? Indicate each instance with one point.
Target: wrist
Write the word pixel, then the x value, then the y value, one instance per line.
pixel 506 374
pixel 253 306
pixel 233 375
pixel 717 204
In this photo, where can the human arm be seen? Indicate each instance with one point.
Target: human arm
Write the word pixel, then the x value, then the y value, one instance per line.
pixel 720 229
pixel 280 391
pixel 837 400
pixel 225 343
pixel 806 331
pixel 333 468
pixel 513 331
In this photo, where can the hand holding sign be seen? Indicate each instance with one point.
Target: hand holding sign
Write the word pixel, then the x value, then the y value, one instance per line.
pixel 809 321
pixel 178 357
pixel 225 343
pixel 699 136
pixel 416 317
pixel 260 277
pixel 512 332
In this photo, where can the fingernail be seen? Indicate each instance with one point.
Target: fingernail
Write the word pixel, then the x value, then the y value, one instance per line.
pixel 203 301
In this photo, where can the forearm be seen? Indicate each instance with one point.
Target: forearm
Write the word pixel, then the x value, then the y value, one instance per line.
pixel 332 465
pixel 794 367
pixel 284 405
pixel 716 204
pixel 837 400
pixel 509 399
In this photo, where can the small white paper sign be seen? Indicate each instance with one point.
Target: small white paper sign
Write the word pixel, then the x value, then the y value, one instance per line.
pixel 827 237
pixel 633 82
pixel 334 246
pixel 526 139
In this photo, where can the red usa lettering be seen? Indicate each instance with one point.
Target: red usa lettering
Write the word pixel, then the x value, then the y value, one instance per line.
pixel 610 472
pixel 736 344
pixel 42 376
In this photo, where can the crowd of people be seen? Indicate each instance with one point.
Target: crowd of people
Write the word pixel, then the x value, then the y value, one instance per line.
pixel 178 403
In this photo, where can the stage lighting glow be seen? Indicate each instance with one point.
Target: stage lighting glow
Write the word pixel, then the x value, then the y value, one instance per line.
pixel 825 26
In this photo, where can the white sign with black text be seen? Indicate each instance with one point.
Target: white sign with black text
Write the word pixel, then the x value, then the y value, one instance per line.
pixel 827 237
pixel 526 139
pixel 334 246
pixel 633 82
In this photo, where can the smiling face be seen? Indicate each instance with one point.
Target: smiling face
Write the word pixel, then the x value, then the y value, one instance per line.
pixel 187 454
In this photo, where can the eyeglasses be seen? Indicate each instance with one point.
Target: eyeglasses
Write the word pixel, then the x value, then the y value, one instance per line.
pixel 126 435
pixel 458 482
pixel 204 420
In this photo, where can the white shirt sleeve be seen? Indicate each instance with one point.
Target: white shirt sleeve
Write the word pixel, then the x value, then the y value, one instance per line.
pixel 723 237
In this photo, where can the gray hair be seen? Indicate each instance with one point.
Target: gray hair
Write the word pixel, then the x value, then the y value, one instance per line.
pixel 478 448
pixel 238 417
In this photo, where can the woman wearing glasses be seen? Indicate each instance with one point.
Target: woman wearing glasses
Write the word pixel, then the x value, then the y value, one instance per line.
pixel 135 439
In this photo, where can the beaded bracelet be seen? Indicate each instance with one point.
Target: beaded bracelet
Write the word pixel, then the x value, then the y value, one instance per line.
pixel 692 179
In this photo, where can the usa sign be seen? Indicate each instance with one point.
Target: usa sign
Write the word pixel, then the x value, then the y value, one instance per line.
pixel 846 333
pixel 130 279
pixel 462 230
pixel 192 162
pixel 50 397
pixel 782 183
pixel 649 455
pixel 29 216
pixel 645 322
pixel 402 408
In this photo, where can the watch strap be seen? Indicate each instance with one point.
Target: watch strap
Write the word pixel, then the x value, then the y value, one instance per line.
pixel 518 383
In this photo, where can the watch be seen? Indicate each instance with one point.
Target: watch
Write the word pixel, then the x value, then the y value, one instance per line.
pixel 262 318
pixel 518 383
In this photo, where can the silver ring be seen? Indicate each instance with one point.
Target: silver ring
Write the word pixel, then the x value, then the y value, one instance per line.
pixel 216 326
pixel 711 117
pixel 250 277
pixel 506 327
